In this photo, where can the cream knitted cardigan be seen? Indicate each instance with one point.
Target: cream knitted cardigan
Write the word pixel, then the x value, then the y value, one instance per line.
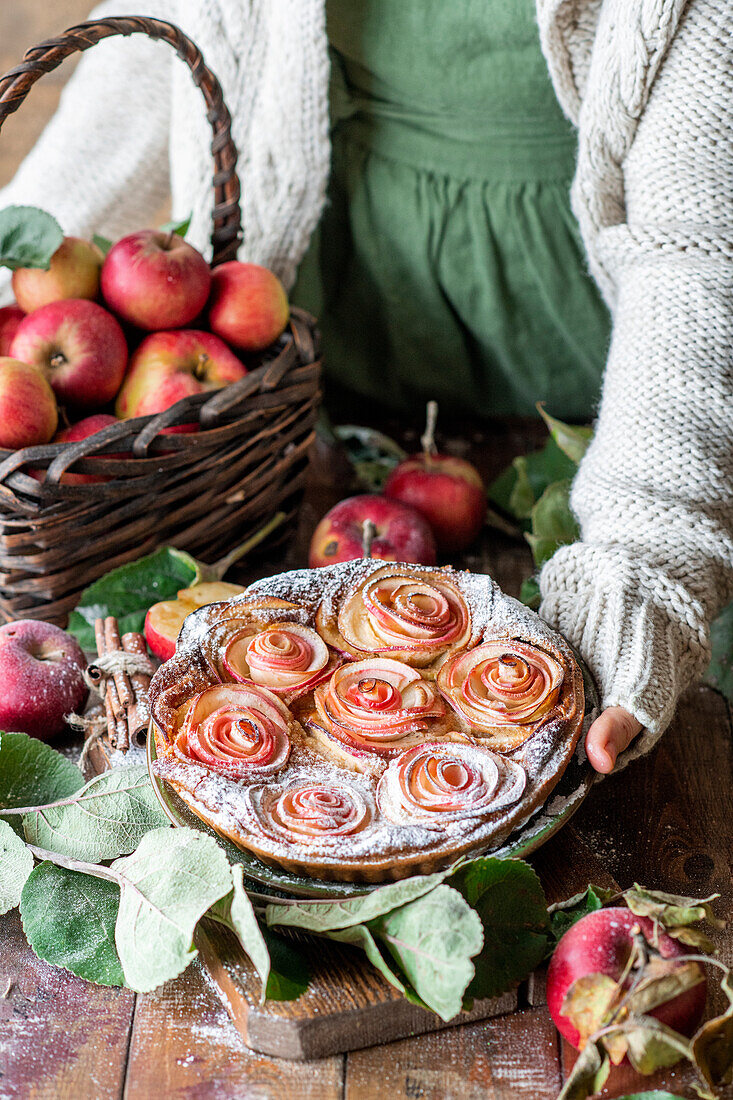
pixel 649 84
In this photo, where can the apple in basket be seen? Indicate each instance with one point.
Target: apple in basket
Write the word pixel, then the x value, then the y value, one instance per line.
pixel 72 273
pixel 78 346
pixel 155 279
pixel 399 532
pixel 10 318
pixel 28 413
pixel 41 670
pixel 90 425
pixel 170 365
pixel 248 306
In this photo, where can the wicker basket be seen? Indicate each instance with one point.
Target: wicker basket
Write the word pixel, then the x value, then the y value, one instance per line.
pixel 203 492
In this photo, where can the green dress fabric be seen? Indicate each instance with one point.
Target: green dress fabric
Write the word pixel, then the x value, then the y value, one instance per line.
pixel 447 263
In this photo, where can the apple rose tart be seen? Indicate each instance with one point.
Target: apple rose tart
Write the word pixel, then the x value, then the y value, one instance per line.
pixel 363 722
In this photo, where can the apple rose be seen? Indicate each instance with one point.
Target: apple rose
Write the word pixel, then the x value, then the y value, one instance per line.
pixel 503 684
pixel 311 812
pixel 412 617
pixel 239 731
pixel 437 783
pixel 284 657
pixel 372 706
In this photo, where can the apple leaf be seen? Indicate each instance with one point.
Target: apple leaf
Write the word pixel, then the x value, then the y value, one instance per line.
pixel 572 440
pixel 672 911
pixel 359 935
pixel 167 885
pixel 522 498
pixel 16 864
pixel 69 919
pixel 543 468
pixel 652 1045
pixel 433 940
pixel 529 593
pixel 564 914
pixel 236 912
pixel 181 228
pixel 720 670
pixel 128 592
pixel 510 902
pixel 106 818
pixel 588 1003
pixel 31 772
pixel 372 454
pixel 553 523
pixel 588 1075
pixel 28 237
pixel 712 1045
pixel 103 243
pixel 662 983
pixel 289 975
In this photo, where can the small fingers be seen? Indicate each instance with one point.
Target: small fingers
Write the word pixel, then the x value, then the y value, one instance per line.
pixel 610 734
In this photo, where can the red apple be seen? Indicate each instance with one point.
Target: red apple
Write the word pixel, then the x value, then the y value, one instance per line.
pixel 447 491
pixel 10 318
pixel 601 943
pixel 90 425
pixel 248 305
pixel 72 273
pixel 170 365
pixel 28 413
pixel 78 346
pixel 155 280
pixel 401 533
pixel 41 672
pixel 164 620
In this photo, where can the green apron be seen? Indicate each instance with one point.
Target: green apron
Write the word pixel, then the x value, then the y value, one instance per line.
pixel 447 263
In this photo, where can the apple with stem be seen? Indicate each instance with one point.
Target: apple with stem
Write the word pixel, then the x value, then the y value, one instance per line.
pixel 168 366
pixel 372 526
pixel 78 346
pixel 156 280
pixel 10 318
pixel 447 491
pixel 28 412
pixel 41 670
pixel 248 306
pixel 72 273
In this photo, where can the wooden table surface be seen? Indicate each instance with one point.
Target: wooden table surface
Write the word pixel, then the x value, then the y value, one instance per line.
pixel 666 822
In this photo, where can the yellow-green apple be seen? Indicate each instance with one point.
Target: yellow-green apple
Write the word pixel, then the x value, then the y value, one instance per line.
pixel 155 280
pixel 78 346
pixel 41 670
pixel 73 273
pixel 248 306
pixel 10 318
pixel 170 365
pixel 28 413
pixel 601 943
pixel 164 620
pixel 448 491
pixel 400 533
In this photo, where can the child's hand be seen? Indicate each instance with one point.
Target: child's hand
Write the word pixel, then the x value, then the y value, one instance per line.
pixel 609 735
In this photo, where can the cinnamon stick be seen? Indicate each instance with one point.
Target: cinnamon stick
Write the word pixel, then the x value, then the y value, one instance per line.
pixel 138 714
pixel 121 679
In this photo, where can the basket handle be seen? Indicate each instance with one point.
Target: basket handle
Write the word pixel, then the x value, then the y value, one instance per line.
pixel 48 55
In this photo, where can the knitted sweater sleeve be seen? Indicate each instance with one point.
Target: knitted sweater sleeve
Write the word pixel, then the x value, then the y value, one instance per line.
pixel 101 164
pixel 654 493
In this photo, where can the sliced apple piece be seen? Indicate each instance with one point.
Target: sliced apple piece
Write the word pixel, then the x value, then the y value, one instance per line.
pixel 164 620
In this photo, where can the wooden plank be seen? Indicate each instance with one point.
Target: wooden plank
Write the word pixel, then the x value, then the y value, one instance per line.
pixel 346 1006
pixel 183 1044
pixel 61 1038
pixel 512 1058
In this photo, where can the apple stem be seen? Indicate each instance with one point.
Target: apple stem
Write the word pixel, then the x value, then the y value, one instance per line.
pixel 169 239
pixel 58 359
pixel 216 571
pixel 368 531
pixel 427 439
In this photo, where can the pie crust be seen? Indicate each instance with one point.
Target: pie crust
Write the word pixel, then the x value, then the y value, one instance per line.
pixel 366 721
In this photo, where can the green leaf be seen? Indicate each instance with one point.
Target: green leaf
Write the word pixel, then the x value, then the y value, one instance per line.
pixel 103 243
pixel 181 228
pixel 106 818
pixel 508 897
pixel 372 454
pixel 32 772
pixel 321 916
pixel 235 910
pixel 289 975
pixel 553 524
pixel 28 237
pixel 530 594
pixel 565 913
pixel 128 592
pixel 671 910
pixel 652 1045
pixel 69 919
pixel 433 940
pixel 16 864
pixel 588 1075
pixel 712 1045
pixel 358 935
pixel 522 499
pixel 572 440
pixel 542 467
pixel 720 670
pixel 166 887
